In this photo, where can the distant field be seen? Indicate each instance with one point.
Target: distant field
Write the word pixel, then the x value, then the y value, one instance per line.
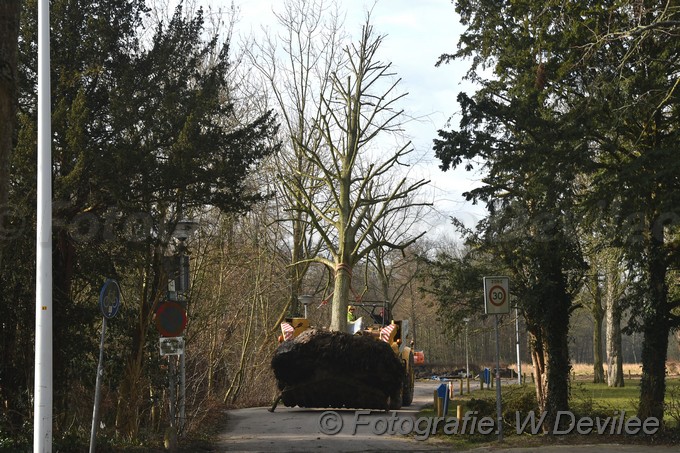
pixel 630 370
pixel 586 369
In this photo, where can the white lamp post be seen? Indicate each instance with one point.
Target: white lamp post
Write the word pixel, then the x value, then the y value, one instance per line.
pixel 42 390
pixel 305 300
pixel 184 229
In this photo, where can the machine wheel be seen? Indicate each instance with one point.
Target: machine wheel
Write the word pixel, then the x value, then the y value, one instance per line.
pixel 395 401
pixel 409 382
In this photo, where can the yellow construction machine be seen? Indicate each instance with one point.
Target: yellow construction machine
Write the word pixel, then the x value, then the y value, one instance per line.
pixel 369 366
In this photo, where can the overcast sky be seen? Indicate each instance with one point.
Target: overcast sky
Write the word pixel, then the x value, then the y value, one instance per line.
pixel 418 32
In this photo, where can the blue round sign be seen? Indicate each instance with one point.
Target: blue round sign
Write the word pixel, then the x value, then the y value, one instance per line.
pixel 109 299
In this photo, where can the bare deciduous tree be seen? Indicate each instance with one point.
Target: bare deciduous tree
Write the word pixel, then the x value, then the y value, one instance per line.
pixel 360 107
pixel 334 103
pixel 396 269
pixel 296 66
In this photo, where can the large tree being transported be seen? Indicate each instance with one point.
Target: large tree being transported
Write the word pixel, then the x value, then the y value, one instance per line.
pixel 343 193
pixel 357 190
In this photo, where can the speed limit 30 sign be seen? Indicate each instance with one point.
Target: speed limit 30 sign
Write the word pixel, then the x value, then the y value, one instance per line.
pixel 496 295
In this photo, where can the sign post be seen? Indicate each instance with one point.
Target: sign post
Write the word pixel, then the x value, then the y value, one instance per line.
pixel 519 359
pixel 496 302
pixel 109 304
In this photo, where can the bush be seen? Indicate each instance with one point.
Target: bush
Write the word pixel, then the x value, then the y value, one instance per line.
pixel 672 404
pixel 516 398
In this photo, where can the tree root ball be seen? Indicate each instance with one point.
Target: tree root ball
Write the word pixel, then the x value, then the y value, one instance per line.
pixel 335 369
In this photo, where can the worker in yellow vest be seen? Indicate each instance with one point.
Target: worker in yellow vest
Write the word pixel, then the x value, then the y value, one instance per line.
pixel 351 316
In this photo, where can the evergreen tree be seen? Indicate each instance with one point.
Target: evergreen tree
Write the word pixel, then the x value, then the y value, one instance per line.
pixel 142 133
pixel 517 125
pixel 636 56
pixel 9 39
pixel 580 89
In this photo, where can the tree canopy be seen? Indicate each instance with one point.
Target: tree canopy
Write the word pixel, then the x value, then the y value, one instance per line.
pixel 574 118
pixel 143 132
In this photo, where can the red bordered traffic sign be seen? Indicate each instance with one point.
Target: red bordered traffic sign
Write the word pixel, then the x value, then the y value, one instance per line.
pixel 497 295
pixel 171 319
pixel 496 299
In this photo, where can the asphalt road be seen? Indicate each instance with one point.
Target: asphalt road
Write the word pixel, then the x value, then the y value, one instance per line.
pixel 302 430
pixel 299 430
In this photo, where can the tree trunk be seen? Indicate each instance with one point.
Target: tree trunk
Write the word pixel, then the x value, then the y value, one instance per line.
pixel 613 338
pixel 655 342
pixel 296 269
pixel 341 290
pixel 653 383
pixel 598 366
pixel 131 392
pixel 547 308
pixel 129 399
pixel 539 363
pixel 598 316
pixel 235 385
pixel 555 334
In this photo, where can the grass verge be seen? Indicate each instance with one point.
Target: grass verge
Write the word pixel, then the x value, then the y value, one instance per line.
pixel 598 402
